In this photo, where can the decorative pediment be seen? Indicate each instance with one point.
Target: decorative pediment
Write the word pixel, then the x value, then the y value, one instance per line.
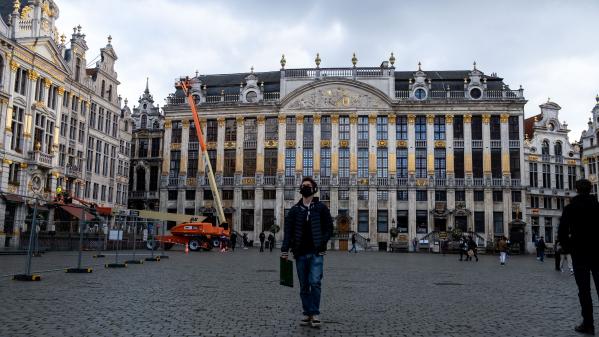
pixel 337 96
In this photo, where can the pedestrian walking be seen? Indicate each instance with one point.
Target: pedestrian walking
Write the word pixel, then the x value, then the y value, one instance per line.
pixel 353 244
pixel 463 248
pixel 566 258
pixel 271 241
pixel 308 228
pixel 541 246
pixel 233 238
pixel 245 241
pixel 557 255
pixel 472 247
pixel 578 232
pixel 415 244
pixel 502 247
pixel 262 238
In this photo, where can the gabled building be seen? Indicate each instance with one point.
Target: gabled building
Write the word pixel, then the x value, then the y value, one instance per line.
pixel 590 148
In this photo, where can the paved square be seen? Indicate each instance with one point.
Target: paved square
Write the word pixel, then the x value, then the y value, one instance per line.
pixel 237 294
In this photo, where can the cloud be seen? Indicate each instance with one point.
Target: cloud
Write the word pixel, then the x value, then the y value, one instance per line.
pixel 532 43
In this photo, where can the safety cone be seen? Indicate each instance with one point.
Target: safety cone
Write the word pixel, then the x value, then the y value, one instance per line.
pixel 187 248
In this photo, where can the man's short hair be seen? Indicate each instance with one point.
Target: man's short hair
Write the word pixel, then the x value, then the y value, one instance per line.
pixel 314 185
pixel 583 187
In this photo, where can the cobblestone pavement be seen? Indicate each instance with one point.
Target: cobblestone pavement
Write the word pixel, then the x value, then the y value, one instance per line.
pixel 237 294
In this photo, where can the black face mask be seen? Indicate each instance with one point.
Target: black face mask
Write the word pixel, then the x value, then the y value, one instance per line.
pixel 306 191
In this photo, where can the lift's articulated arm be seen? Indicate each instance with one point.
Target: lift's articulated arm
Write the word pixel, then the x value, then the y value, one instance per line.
pixel 185 85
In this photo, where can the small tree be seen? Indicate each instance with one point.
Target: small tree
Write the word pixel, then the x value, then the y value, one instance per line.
pixel 394 233
pixel 275 228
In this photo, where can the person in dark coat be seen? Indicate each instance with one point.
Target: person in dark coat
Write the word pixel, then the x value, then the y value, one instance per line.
pixel 308 228
pixel 271 241
pixel 463 248
pixel 472 246
pixel 541 246
pixel 353 244
pixel 262 238
pixel 233 240
pixel 578 232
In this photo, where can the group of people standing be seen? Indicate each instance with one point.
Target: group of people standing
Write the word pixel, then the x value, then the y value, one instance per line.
pixel 468 248
pixel 271 241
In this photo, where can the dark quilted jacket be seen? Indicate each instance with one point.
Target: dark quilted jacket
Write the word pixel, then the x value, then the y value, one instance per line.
pixel 322 226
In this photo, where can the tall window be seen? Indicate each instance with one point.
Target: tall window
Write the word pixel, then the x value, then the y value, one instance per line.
pixel 548 229
pixel 479 222
pixel 546 176
pixel 382 163
pixel 143 148
pixel 249 162
pixel 495 127
pixel 559 177
pixel 175 164
pixel 477 127
pixel 402 163
pixel 325 128
pixel 363 128
pixel 17 129
pixel 421 163
pixel 230 130
pixel 229 169
pixel 270 162
pixel 458 127
pixel 477 163
pixel 557 149
pixel 144 121
pixel 344 128
pixel 498 223
pixel 458 163
pixel 81 132
pixel 102 88
pixel 382 222
pixel 308 162
pixel 271 128
pixel 77 69
pixel 192 164
pixel 571 177
pixel 515 163
pixel 420 127
pixel 344 163
pixel 439 128
pixel 21 81
pixel 363 163
pixel 92 115
pixel 545 147
pixel 421 222
pixel 514 128
pixel 211 130
pixel 533 174
pixel 101 119
pixel 382 125
pixel 250 132
pixel 247 219
pixel 290 128
pixel 401 128
pixel 440 165
pixel 325 162
pixel 496 163
pixel 289 162
pixel 155 147
pixel 363 221
pixel 308 130
pixel 176 131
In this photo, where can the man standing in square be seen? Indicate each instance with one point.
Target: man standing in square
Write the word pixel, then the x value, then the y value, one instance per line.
pixel 308 228
pixel 579 230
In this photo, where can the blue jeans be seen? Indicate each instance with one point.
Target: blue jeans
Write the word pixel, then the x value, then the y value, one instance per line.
pixel 309 273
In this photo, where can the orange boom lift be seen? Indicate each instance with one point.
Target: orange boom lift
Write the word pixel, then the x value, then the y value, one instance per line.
pixel 198 235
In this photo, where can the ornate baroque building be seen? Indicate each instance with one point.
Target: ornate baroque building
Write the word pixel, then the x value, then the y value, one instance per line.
pixel 417 150
pixel 553 165
pixel 146 154
pixel 590 148
pixel 62 122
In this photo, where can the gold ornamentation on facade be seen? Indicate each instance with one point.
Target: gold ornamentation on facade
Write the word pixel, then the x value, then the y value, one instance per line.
pixel 25 12
pixel 571 162
pixel 27 135
pixel 402 144
pixel 230 145
pixel 33 75
pixel 421 182
pixel 191 182
pixel 317 119
pixel 12 188
pixel 60 91
pixel 175 146
pixel 47 83
pixel 299 119
pixel 168 124
pixel 363 181
pixel 448 119
pixel 248 181
pixel 504 118
pixel 392 118
pixel 261 119
pixel 381 143
pixel 344 143
pixel 486 118
pixel 533 157
pixel 220 120
pixel 325 143
pixel 439 144
pixel 290 143
pixel 270 144
pixel 14 65
pixel 239 120
pixel 372 118
pixel 185 123
pixel 411 119
pixel 467 118
pixel 24 165
pixel 211 145
pixel 430 119
pixel 6 161
pixel 38 104
pixel 334 119
pixel 282 119
pixel 353 119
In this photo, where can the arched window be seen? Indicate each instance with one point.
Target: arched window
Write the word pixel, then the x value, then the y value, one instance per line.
pixel 77 69
pixel 144 122
pixel 557 149
pixel 102 88
pixel 545 147
pixel 156 125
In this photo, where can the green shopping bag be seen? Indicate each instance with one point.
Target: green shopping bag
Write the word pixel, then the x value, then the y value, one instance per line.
pixel 286 273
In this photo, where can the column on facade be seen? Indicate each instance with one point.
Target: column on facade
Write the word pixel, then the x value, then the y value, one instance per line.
pixel 430 168
pixel 280 196
pixel 299 146
pixel 372 181
pixel 201 164
pixel 220 147
pixel 468 168
pixel 316 146
pixel 261 135
pixel 411 174
pixel 334 192
pixel 449 164
pixel 486 118
pixel 29 126
pixel 56 138
pixel 182 167
pixel 353 170
pixel 8 116
pixel 392 166
pixel 239 137
pixel 166 154
pixel 259 189
pixel 505 170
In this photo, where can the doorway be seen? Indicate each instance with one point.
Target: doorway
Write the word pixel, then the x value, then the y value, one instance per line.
pixel 461 223
pixel 441 224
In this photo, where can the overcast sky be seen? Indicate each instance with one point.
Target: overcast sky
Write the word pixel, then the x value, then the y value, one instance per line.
pixel 549 47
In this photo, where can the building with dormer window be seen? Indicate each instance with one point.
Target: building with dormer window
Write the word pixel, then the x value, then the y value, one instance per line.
pixel 422 151
pixel 62 121
pixel 590 148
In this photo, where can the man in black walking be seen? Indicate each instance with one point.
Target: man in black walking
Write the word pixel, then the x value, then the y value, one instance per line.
pixel 578 230
pixel 233 241
pixel 308 228
pixel 262 237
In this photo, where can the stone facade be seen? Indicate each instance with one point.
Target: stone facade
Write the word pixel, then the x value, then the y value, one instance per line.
pixel 58 117
pixel 590 148
pixel 553 165
pixel 420 151
pixel 146 156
